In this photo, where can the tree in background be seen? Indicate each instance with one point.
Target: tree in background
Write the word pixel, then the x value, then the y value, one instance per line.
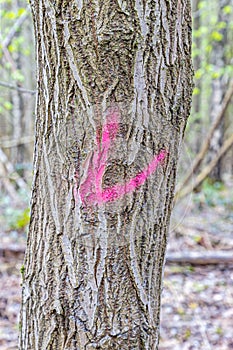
pixel 114 91
pixel 16 102
pixel 15 56
pixel 220 60
pixel 210 136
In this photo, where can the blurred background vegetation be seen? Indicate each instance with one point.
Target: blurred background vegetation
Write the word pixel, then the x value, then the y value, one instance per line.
pixel 203 213
pixel 17 71
pixel 213 63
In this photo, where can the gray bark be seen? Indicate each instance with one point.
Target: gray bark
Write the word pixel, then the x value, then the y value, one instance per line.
pixel 93 270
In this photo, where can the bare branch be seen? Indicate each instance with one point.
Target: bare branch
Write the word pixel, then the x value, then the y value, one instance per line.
pixel 8 57
pixel 9 251
pixel 13 87
pixel 207 170
pixel 18 23
pixel 206 144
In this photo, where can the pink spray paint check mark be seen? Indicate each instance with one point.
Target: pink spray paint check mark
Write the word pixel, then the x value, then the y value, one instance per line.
pixel 91 191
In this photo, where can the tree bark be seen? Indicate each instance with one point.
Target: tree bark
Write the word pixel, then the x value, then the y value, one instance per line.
pixel 114 92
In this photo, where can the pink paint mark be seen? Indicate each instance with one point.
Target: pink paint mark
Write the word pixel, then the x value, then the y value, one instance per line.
pixel 91 191
pixel 117 191
pixel 100 158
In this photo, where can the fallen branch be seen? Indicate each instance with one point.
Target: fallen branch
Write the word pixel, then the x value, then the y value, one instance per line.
pixel 206 171
pixel 188 257
pixel 205 146
pixel 200 258
pixel 12 251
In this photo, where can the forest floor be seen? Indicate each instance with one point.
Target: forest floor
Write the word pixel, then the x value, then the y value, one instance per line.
pixel 197 300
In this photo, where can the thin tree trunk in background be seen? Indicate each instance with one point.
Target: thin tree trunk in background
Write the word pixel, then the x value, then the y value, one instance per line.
pixel 18 153
pixel 29 99
pixel 18 121
pixel 219 85
pixel 196 100
pixel 114 92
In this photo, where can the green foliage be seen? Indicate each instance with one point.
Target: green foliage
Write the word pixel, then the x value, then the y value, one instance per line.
pixel 212 37
pixel 210 192
pixel 219 330
pixel 22 270
pixel 199 287
pixel 18 76
pixel 214 193
pixel 12 56
pixel 227 9
pixel 216 36
pixel 7 105
pixel 187 333
pixel 13 217
pixel 210 31
pixel 17 219
pixel 196 91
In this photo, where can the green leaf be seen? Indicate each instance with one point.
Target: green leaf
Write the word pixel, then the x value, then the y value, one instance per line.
pixel 21 11
pixel 7 105
pixel 221 25
pixel 12 48
pixel 196 91
pixel 200 32
pixel 198 74
pixel 23 221
pixel 201 5
pixel 216 75
pixel 17 75
pixel 227 9
pixel 209 48
pixel 216 36
pixel 10 15
pixel 187 334
pixel 22 269
pixel 26 51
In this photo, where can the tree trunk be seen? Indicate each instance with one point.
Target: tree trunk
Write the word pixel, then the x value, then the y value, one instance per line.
pixel 219 86
pixel 114 92
pixel 196 100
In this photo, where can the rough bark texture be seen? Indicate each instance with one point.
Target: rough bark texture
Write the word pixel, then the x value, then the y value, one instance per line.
pixel 93 268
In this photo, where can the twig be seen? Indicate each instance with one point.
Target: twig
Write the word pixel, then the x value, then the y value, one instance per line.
pixel 206 144
pixel 207 170
pixel 8 57
pixel 18 23
pixel 13 87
